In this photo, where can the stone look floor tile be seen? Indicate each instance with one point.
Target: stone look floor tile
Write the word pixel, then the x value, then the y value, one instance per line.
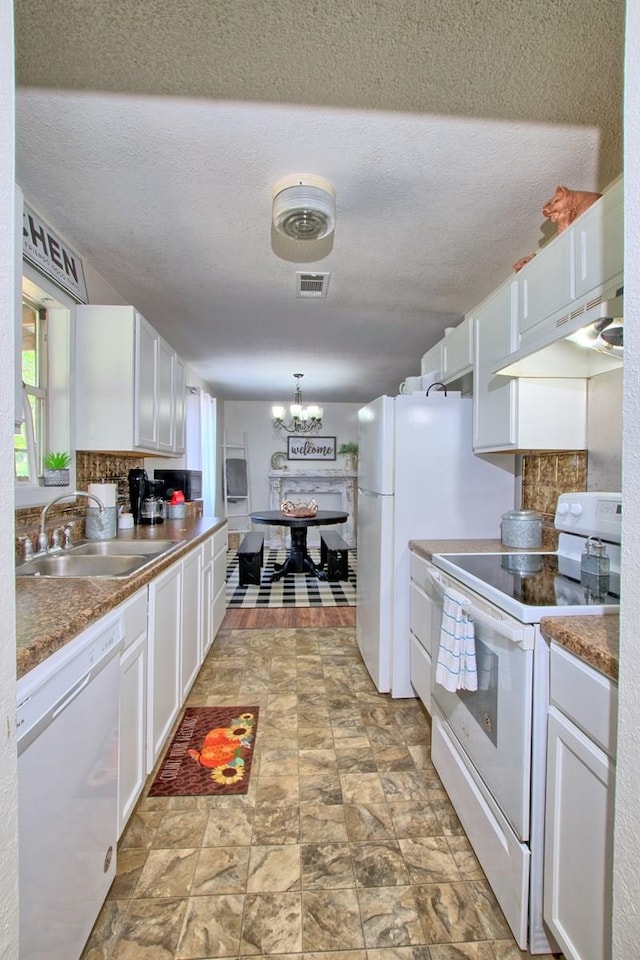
pixel 274 868
pixel 346 846
pixel 271 924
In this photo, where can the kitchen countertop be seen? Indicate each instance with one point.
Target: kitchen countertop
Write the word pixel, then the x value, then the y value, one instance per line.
pixel 50 612
pixel 594 639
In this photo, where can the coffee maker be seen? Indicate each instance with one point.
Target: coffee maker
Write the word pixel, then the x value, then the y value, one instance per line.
pixel 137 488
pixel 152 507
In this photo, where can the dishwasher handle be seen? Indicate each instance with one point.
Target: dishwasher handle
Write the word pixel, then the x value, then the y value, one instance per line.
pixel 68 697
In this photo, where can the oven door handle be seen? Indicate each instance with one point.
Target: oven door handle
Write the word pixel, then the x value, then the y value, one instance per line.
pixel 509 628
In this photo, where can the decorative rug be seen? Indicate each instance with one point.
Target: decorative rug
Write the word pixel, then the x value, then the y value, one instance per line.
pixel 294 590
pixel 210 753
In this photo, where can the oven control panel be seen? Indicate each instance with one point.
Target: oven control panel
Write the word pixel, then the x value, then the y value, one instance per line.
pixel 591 514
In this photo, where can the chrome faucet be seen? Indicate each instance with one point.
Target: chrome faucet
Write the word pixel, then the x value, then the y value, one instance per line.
pixel 43 542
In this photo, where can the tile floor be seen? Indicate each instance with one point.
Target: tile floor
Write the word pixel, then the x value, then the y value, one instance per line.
pixel 346 846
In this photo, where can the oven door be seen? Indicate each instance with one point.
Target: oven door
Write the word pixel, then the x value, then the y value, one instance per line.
pixel 492 724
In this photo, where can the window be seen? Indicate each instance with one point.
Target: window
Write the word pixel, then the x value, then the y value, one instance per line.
pixel 30 443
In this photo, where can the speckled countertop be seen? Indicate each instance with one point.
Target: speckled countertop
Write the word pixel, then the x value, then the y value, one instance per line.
pixel 51 612
pixel 593 639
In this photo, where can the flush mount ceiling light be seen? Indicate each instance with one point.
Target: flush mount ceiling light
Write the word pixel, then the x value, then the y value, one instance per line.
pixel 304 207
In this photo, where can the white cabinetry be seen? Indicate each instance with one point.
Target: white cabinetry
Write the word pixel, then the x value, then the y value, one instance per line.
pixel 519 414
pixel 559 289
pixel 579 807
pixel 191 620
pixel 132 763
pixel 431 363
pixel 421 622
pixel 163 673
pixel 457 351
pixel 129 383
pixel 214 576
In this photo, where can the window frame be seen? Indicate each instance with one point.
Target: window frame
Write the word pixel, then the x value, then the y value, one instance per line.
pixel 60 308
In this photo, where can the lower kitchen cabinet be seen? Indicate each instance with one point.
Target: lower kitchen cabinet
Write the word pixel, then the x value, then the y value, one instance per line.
pixel 214 585
pixel 191 620
pixel 421 629
pixel 579 807
pixel 165 629
pixel 132 762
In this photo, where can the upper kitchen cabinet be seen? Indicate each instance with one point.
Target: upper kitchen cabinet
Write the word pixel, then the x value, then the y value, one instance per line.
pixel 129 384
pixel 568 286
pixel 519 414
pixel 431 363
pixel 457 351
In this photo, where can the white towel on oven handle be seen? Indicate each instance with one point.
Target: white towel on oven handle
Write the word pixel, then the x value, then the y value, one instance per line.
pixel 456 668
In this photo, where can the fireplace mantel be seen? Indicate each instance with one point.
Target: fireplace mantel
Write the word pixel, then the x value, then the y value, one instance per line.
pixel 314 482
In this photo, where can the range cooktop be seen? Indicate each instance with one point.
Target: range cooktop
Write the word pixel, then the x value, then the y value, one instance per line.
pixel 531 585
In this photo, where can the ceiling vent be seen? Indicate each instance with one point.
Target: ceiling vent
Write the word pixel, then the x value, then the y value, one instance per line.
pixel 312 286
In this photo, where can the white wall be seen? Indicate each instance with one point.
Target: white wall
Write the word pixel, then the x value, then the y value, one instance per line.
pixel 626 874
pixel 604 431
pixel 340 420
pixel 8 762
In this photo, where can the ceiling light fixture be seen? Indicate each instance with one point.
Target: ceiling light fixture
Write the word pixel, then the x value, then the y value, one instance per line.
pixel 303 419
pixel 304 207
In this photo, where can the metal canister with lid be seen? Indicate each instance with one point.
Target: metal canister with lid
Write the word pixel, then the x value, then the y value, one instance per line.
pixel 521 528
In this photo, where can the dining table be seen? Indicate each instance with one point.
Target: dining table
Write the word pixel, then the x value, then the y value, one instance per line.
pixel 298 559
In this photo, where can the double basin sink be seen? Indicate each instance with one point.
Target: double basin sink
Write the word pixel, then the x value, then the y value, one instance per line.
pixel 98 558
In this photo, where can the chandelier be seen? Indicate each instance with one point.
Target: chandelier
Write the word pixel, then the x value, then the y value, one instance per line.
pixel 303 419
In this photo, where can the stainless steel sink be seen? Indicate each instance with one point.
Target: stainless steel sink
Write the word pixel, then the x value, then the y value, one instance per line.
pixel 68 565
pixel 98 558
pixel 118 548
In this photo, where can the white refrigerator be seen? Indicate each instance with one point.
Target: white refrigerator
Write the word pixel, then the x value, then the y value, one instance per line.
pixel 418 479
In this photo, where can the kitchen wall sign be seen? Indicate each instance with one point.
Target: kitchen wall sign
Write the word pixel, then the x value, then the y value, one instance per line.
pixel 311 448
pixel 43 248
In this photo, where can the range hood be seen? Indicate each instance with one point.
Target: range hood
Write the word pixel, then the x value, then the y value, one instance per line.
pixel 590 343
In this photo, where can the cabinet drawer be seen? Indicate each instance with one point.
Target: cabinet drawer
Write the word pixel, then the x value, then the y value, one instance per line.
pixel 585 696
pixel 134 612
pixel 208 550
pixel 220 540
pixel 420 671
pixel 219 570
pixel 420 616
pixel 418 568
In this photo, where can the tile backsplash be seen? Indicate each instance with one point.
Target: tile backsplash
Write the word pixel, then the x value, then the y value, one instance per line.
pixel 546 475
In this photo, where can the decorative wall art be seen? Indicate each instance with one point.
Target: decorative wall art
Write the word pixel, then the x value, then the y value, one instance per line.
pixel 311 448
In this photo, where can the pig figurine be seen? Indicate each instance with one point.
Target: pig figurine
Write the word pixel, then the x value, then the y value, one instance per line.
pixel 565 205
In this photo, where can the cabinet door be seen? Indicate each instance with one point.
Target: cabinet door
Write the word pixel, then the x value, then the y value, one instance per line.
pixel 145 420
pixel 598 239
pixel 431 363
pixel 132 766
pixel 457 351
pixel 219 590
pixel 494 397
pixel 163 673
pixel 546 285
pixel 578 842
pixel 165 396
pixel 179 400
pixel 191 620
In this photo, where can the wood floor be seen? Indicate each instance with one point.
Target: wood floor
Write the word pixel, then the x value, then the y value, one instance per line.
pixel 256 619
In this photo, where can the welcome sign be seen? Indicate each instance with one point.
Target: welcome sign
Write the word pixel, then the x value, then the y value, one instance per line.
pixel 311 448
pixel 43 248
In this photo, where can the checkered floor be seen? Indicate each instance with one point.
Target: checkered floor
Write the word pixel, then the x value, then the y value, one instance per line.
pixel 294 590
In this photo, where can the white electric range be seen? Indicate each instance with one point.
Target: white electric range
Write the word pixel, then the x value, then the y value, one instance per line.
pixel 489 745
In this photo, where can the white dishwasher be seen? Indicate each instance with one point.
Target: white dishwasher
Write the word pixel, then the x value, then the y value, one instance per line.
pixel 67 729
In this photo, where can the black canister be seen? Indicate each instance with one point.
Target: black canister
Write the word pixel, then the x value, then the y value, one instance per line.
pixel 137 488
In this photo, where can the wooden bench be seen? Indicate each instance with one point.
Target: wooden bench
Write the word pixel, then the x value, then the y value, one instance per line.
pixel 250 558
pixel 334 556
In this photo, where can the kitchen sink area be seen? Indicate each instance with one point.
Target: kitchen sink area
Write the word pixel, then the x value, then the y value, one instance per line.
pixel 98 558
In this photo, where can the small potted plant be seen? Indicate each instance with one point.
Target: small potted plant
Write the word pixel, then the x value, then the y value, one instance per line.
pixel 56 469
pixel 349 450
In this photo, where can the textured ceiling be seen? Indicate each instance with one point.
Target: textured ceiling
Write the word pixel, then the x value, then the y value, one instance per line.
pixel 150 135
